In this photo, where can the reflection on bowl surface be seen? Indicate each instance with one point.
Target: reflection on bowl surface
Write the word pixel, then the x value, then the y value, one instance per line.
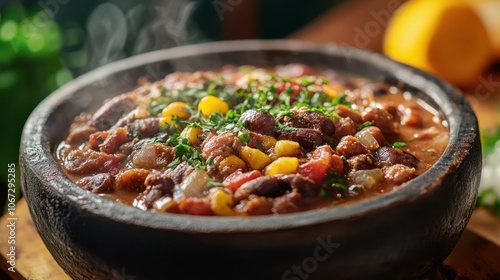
pixel 400 234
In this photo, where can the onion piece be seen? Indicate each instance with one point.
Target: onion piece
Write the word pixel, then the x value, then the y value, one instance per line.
pixel 367 139
pixel 194 184
pixel 366 178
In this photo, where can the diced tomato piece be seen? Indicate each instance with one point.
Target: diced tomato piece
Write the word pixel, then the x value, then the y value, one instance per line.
pixel 195 206
pixel 337 164
pixel 235 180
pixel 97 138
pixel 315 170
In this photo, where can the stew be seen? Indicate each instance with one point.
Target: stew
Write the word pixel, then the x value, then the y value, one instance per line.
pixel 251 141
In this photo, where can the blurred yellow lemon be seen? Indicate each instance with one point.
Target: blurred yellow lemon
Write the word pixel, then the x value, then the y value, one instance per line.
pixel 445 37
pixel 489 11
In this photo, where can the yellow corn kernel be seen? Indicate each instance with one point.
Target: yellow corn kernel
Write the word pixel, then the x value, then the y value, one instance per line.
pixel 255 158
pixel 233 162
pixel 211 104
pixel 286 148
pixel 283 165
pixel 332 90
pixel 191 134
pixel 221 203
pixel 178 109
pixel 268 142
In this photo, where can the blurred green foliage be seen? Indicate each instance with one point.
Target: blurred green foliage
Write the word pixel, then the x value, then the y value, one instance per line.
pixel 30 69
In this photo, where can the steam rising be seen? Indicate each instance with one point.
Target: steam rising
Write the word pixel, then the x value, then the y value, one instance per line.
pixel 113 34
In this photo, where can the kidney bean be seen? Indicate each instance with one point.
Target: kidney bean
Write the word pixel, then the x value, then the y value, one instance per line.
pixel 260 122
pixel 394 156
pixel 307 137
pixel 263 186
pixel 304 118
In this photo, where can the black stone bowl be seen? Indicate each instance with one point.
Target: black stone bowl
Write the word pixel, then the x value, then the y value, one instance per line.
pixel 398 235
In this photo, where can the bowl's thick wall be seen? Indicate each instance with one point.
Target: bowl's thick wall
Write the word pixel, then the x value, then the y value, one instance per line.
pixel 397 235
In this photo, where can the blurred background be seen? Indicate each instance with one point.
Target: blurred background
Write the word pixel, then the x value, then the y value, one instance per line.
pixel 46 43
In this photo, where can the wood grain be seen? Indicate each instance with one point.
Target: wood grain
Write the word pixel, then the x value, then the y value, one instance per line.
pixel 33 260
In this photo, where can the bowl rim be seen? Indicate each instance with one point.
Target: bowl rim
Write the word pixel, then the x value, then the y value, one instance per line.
pixel 36 152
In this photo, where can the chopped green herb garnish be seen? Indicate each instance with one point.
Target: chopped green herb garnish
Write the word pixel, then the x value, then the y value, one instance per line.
pixel 325 194
pixel 212 184
pixel 336 180
pixel 285 127
pixel 341 100
pixel 365 124
pixel 399 144
pixel 210 162
pixel 100 139
pixel 244 137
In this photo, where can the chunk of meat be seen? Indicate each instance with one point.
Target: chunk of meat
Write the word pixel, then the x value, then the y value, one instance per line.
pixel 113 110
pixel 398 174
pixel 160 181
pixel 303 185
pixel 158 185
pixel 114 140
pixel 260 122
pixel 154 155
pixel 362 162
pixel 144 128
pixel 381 119
pixel 268 186
pixel 344 127
pixel 350 146
pixel 345 112
pixel 90 161
pixel 288 203
pixel 80 134
pixel 220 147
pixel 305 118
pixel 179 173
pixel 97 138
pixel 307 137
pixel 98 183
pixel 258 205
pixel 394 156
pixel 132 180
pixel 137 113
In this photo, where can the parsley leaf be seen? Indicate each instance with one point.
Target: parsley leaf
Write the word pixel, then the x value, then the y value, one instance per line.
pixel 244 137
pixel 399 144
pixel 365 124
